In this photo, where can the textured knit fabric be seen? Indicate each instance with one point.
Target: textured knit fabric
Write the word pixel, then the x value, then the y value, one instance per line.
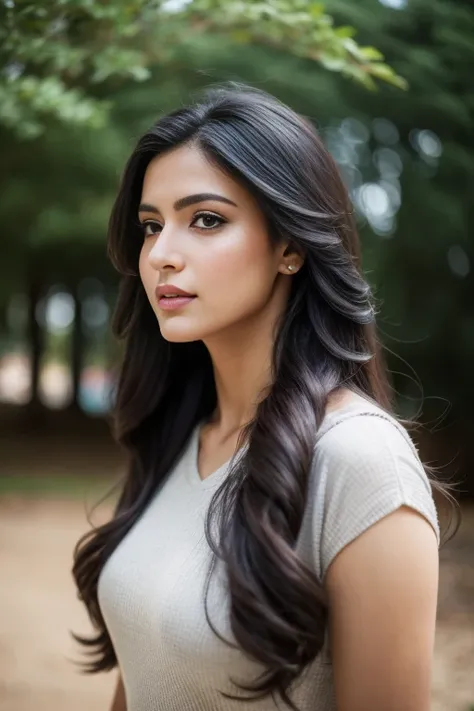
pixel 151 590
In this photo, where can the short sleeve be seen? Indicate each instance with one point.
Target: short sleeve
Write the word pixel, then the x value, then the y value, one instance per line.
pixel 367 467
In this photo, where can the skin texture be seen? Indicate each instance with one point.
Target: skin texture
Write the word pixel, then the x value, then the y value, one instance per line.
pixel 382 587
pixel 383 594
pixel 232 267
pixel 241 280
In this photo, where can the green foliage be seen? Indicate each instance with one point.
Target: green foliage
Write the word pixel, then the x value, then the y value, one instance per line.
pixel 24 100
pixel 53 53
pixel 299 26
pixel 423 267
pixel 56 190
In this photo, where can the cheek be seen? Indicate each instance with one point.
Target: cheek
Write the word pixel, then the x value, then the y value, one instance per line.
pixel 240 270
pixel 147 275
pixel 245 251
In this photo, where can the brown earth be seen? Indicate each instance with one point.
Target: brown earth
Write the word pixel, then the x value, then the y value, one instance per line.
pixel 38 608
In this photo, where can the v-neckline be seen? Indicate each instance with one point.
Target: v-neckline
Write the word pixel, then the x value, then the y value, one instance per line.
pixel 194 462
pixel 216 476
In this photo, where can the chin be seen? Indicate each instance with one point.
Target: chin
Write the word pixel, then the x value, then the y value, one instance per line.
pixel 180 333
pixel 175 332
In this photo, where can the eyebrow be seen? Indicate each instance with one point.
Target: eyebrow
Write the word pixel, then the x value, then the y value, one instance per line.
pixel 188 200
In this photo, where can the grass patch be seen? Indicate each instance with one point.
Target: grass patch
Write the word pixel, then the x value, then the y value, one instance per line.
pixel 71 487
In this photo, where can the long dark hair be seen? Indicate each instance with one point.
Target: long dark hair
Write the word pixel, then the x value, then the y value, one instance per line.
pixel 327 339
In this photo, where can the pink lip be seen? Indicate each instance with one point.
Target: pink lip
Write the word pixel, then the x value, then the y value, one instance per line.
pixel 169 289
pixel 170 303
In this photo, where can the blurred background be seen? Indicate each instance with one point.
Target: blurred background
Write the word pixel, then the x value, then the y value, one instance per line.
pixel 389 84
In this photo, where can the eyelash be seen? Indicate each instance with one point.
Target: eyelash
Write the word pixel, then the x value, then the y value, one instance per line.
pixel 220 221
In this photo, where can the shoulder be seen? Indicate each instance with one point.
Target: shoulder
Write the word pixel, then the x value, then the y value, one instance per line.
pixel 361 435
pixel 365 466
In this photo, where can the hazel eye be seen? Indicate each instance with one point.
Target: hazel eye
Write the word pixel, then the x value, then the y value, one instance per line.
pixel 208 220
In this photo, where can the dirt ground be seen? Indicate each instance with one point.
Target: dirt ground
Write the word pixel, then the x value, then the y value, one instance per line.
pixel 38 608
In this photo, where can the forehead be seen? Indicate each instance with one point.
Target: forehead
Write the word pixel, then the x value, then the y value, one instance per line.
pixel 184 171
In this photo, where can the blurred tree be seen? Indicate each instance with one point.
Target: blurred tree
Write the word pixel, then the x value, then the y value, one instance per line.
pixel 53 53
pixel 407 159
pixel 420 166
pixel 60 60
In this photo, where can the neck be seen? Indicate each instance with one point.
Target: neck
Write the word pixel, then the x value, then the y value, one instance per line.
pixel 242 362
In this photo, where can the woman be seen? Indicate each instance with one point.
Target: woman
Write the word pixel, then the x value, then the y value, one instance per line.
pixel 276 538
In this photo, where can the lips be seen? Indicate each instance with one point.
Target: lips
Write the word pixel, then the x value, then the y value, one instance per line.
pixel 169 290
pixel 171 297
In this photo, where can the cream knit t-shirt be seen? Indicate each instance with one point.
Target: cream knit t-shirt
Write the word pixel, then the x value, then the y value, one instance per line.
pixel 151 590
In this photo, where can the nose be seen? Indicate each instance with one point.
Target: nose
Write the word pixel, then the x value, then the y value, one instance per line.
pixel 164 255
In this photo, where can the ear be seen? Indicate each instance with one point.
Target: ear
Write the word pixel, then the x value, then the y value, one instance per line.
pixel 291 260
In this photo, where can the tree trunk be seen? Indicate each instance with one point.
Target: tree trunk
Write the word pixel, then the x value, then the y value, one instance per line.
pixel 35 338
pixel 77 349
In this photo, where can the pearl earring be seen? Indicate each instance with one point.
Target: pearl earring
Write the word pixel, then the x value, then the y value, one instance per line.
pixel 290 267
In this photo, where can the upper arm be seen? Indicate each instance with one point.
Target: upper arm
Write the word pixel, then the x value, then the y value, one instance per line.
pixel 382 591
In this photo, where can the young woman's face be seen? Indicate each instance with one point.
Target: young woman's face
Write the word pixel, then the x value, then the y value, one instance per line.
pixel 205 235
